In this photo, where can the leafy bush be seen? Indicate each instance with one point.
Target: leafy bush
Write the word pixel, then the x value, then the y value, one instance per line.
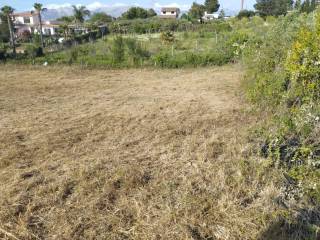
pixel 73 55
pixel 246 14
pixel 118 50
pixel 135 51
pixel 167 37
pixel 283 80
pixel 33 51
pixel 3 52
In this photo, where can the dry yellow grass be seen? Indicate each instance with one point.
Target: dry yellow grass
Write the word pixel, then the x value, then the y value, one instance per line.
pixel 127 154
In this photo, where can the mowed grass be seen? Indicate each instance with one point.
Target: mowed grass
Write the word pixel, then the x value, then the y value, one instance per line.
pixel 127 154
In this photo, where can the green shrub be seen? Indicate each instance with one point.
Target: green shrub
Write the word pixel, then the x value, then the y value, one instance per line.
pixel 135 51
pixel 33 51
pixel 3 52
pixel 167 37
pixel 283 80
pixel 118 50
pixel 73 55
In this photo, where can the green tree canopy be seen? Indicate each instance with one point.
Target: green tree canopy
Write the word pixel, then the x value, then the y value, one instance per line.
pixel 100 18
pixel 246 13
pixel 4 29
pixel 308 6
pixel 138 12
pixel 273 7
pixel 39 9
pixel 151 12
pixel 297 4
pixel 80 13
pixel 212 5
pixel 6 12
pixel 197 10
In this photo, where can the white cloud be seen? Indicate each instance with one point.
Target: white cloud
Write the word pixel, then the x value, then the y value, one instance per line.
pixel 57 6
pixel 96 5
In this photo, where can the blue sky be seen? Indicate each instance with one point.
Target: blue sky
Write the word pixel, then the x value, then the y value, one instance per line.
pixel 20 5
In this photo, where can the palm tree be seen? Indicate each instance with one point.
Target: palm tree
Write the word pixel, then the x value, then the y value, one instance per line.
pixel 8 11
pixel 39 8
pixel 80 13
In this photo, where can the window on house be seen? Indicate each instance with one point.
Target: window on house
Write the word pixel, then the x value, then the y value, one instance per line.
pixel 164 12
pixel 172 12
pixel 26 20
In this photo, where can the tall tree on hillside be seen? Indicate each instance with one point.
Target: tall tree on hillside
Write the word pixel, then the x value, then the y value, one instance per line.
pixel 7 11
pixel 305 7
pixel 80 13
pixel 297 5
pixel 313 5
pixel 308 6
pixel 212 5
pixel 196 11
pixel 38 7
pixel 273 7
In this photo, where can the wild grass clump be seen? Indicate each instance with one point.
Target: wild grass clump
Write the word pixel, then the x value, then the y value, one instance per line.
pixel 136 53
pixel 117 50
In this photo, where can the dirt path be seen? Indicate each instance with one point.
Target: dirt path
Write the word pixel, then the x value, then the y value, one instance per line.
pixel 130 154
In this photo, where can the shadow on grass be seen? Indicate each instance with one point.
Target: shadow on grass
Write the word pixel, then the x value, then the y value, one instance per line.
pixel 305 225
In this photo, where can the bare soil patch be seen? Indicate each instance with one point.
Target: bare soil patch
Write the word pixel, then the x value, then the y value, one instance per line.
pixel 126 154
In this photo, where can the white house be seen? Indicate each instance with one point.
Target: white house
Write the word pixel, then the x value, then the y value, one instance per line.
pixel 29 21
pixel 27 18
pixel 169 12
pixel 25 21
pixel 210 16
pixel 50 27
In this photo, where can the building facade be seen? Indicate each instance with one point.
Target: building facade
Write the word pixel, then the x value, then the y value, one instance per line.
pixel 29 21
pixel 169 12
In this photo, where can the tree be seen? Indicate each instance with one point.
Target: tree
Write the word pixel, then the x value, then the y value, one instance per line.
pixel 273 7
pixel 79 14
pixel 4 29
pixel 222 14
pixel 305 7
pixel 308 6
pixel 297 5
pixel 66 21
pixel 39 9
pixel 101 18
pixel 185 16
pixel 151 13
pixel 7 12
pixel 246 14
pixel 197 10
pixel 138 12
pixel 212 5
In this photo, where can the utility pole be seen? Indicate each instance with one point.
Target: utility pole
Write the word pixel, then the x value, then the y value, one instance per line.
pixel 242 4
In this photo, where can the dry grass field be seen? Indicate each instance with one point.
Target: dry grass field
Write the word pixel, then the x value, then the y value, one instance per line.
pixel 127 154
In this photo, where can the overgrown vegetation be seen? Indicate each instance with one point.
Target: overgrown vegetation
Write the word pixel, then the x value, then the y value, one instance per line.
pixel 216 43
pixel 283 82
